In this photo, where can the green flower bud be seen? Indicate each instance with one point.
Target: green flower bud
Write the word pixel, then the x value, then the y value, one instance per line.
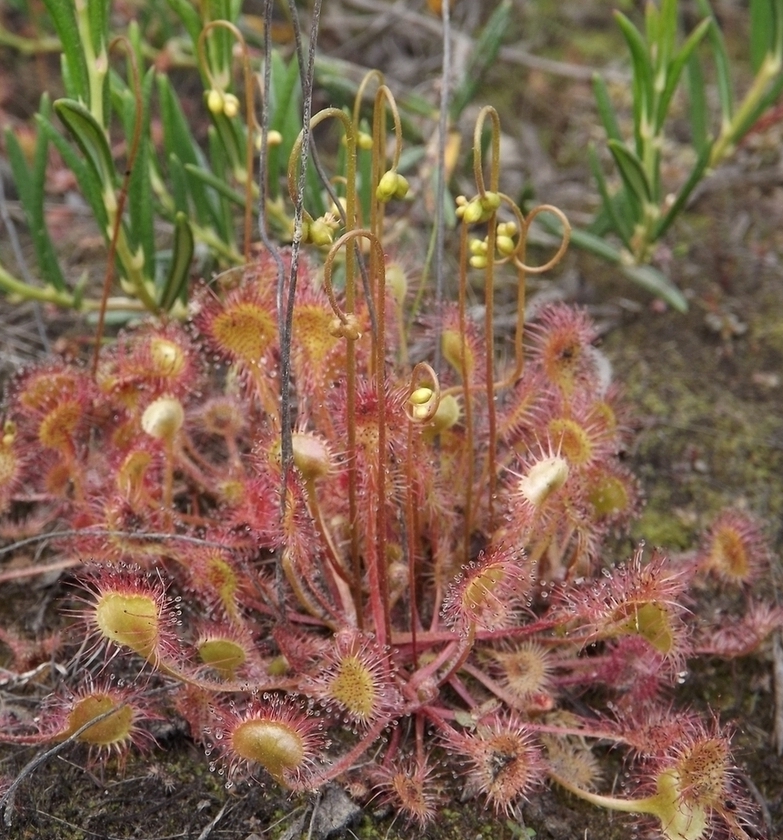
pixel 391 185
pixel 402 187
pixel 215 101
pixel 230 105
pixel 473 212
pixel 320 233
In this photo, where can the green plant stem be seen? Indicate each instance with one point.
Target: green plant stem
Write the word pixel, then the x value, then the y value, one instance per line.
pixel 14 287
pixel 724 145
pixel 613 803
pixel 97 65
pixel 211 239
pixel 47 294
pixel 135 282
pixel 29 46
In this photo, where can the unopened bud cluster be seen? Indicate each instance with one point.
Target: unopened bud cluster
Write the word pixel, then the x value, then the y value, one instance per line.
pixel 220 102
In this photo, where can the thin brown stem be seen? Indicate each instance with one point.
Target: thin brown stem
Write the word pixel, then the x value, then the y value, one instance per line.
pixel 466 395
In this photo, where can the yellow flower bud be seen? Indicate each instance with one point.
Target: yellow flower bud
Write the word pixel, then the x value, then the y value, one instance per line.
pixel 230 105
pixel 402 187
pixel 9 432
pixel 387 186
pixel 491 201
pixel 320 233
pixel 420 396
pixel 215 101
pixel 473 212
pixel 349 330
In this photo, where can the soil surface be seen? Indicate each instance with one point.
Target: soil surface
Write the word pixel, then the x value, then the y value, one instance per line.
pixel 706 389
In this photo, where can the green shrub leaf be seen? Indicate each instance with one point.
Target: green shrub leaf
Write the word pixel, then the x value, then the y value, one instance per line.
pixel 181 258
pixel 89 136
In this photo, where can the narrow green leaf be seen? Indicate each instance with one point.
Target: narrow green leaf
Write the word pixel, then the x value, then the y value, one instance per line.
pixel 181 259
pixel 410 158
pixel 31 194
pixel 652 23
pixel 98 13
pixel 179 144
pixel 275 155
pixel 777 38
pixel 622 225
pixel 601 224
pixel 136 38
pixel 50 264
pixel 314 196
pixel 89 136
pixel 580 238
pixel 697 94
pixel 762 28
pixel 232 140
pixel 642 67
pixel 657 284
pixel 225 224
pixel 186 12
pixel 675 70
pixel 666 41
pixel 285 105
pixel 41 152
pixel 684 193
pixel 179 184
pixel 220 42
pixel 631 171
pixel 482 57
pixel 235 8
pixel 64 19
pixel 218 184
pixel 605 109
pixel 85 175
pixel 140 204
pixel 721 59
pixel 770 98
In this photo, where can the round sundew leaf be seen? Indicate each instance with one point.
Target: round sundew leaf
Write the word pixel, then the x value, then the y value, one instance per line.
pixel 273 744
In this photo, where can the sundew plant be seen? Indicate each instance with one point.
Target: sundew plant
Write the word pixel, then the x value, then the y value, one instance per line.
pixel 342 537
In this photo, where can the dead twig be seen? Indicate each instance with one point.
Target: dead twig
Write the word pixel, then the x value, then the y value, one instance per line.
pixel 218 817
